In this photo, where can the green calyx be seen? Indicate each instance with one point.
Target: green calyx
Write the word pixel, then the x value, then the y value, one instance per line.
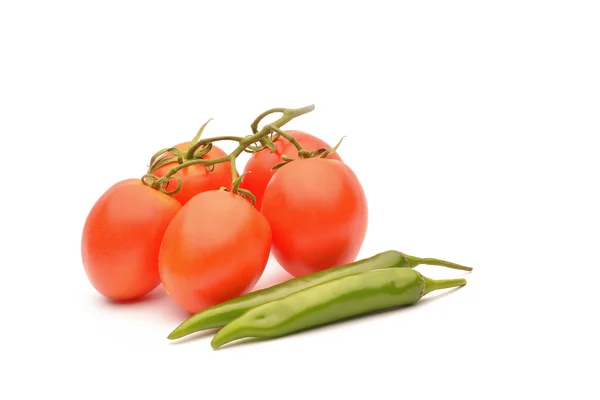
pixel 438 284
pixel 302 153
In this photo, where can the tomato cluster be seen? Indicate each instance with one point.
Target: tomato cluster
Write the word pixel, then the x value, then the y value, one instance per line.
pixel 209 240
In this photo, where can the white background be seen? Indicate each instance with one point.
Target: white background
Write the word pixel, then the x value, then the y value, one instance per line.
pixel 471 125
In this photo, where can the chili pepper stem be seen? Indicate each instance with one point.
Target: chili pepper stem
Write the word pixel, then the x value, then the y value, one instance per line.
pixel 442 263
pixel 414 261
pixel 438 284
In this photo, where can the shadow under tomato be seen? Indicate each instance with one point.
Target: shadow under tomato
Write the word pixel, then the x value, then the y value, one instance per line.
pixel 153 296
pixel 157 302
pixel 341 322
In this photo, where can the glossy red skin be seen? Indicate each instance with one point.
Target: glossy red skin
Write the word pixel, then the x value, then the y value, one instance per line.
pixel 196 178
pixel 318 214
pixel 259 165
pixel 215 249
pixel 121 239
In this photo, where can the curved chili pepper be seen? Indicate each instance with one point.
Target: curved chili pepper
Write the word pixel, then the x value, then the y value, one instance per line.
pixel 331 301
pixel 223 313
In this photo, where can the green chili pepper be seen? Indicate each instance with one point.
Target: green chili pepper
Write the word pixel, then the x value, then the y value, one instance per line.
pixel 331 301
pixel 223 313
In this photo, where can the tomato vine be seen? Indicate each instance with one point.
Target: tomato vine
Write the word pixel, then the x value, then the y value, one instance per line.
pixel 259 140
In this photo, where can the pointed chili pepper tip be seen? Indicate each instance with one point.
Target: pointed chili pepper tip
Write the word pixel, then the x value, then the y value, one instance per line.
pixel 179 332
pixel 226 335
pixel 173 335
pixel 218 341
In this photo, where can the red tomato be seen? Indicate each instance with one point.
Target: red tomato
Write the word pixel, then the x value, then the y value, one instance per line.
pixel 318 215
pixel 260 163
pixel 196 178
pixel 216 248
pixel 121 239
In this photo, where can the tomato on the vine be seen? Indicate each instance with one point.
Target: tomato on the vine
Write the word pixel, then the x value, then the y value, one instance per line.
pixel 121 239
pixel 317 210
pixel 258 167
pixel 196 178
pixel 216 248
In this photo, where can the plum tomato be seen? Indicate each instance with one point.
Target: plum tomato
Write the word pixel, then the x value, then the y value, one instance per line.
pixel 216 248
pixel 121 239
pixel 318 214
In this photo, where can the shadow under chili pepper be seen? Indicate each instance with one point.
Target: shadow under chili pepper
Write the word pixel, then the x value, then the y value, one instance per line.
pixel 253 340
pixel 437 295
pixel 429 298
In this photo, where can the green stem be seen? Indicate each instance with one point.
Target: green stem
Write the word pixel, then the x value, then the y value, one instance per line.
pixel 193 148
pixel 161 162
pixel 234 175
pixel 158 154
pixel 286 135
pixel 288 115
pixel 266 142
pixel 413 261
pixel 438 284
pixel 202 161
pixel 442 263
pixel 197 137
pixel 254 124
